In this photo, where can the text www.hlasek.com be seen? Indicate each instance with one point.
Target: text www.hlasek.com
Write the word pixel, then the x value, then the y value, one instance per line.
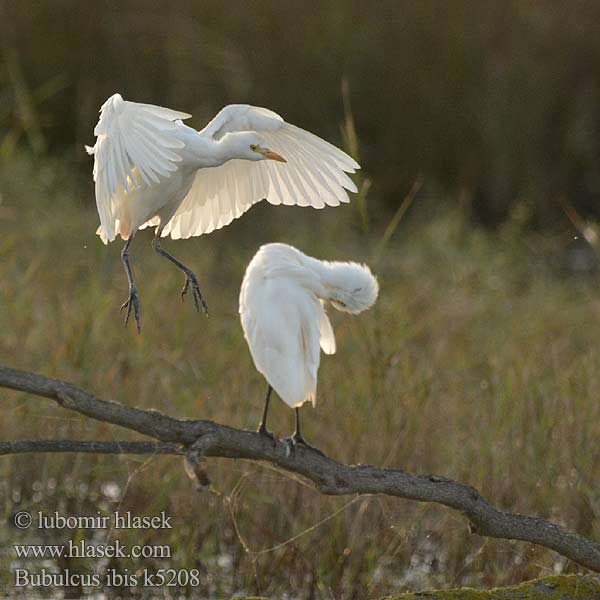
pixel 84 549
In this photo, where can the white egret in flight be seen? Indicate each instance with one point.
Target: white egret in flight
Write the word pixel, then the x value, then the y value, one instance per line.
pixel 282 309
pixel 152 170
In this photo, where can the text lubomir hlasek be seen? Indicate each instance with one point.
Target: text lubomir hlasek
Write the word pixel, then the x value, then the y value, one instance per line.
pixel 115 520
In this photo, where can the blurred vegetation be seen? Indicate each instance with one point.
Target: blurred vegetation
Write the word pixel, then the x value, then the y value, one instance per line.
pixel 561 587
pixel 495 102
pixel 478 362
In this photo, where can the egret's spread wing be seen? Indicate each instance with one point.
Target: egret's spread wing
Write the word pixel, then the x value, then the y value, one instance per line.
pixel 242 117
pixel 314 175
pixel 135 146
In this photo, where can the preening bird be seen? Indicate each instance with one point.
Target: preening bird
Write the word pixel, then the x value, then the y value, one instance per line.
pixel 152 170
pixel 282 309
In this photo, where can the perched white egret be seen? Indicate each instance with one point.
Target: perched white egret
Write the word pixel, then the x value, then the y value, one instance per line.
pixel 282 309
pixel 152 170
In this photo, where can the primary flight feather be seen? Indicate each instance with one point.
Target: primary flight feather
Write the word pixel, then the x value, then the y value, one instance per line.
pixel 150 169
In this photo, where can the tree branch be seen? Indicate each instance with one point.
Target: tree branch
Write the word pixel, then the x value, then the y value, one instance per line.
pixel 329 477
pixel 26 446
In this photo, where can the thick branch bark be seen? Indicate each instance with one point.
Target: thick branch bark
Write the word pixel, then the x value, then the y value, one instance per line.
pixel 328 476
pixel 25 446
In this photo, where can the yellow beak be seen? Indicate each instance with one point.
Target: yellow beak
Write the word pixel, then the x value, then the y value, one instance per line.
pixel 271 155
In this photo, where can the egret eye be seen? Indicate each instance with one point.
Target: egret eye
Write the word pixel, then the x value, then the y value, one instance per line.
pixel 253 147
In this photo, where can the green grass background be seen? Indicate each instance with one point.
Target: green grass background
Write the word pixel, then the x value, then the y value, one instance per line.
pixel 479 362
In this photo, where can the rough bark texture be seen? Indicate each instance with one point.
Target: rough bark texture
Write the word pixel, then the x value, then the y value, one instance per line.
pixel 198 439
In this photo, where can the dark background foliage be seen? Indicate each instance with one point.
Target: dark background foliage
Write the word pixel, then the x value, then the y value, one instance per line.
pixel 494 102
pixel 478 362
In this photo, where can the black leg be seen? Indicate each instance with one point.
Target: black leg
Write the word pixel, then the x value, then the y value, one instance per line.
pixel 297 436
pixel 262 428
pixel 190 277
pixel 133 300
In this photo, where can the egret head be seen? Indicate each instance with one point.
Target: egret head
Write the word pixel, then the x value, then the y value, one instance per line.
pixel 266 154
pixel 251 146
pixel 352 287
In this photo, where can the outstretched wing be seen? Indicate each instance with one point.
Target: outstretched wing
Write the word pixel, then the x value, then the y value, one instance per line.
pixel 314 175
pixel 242 117
pixel 135 146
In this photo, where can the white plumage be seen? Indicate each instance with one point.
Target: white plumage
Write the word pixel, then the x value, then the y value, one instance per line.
pixel 152 170
pixel 282 310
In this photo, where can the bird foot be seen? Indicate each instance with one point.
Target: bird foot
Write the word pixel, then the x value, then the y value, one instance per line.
pixel 192 281
pixel 133 302
pixel 264 431
pixel 298 440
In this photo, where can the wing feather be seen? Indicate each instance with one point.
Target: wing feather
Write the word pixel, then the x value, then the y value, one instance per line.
pixel 136 145
pixel 327 337
pixel 315 174
pixel 322 166
pixel 327 188
pixel 241 117
pixel 275 194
